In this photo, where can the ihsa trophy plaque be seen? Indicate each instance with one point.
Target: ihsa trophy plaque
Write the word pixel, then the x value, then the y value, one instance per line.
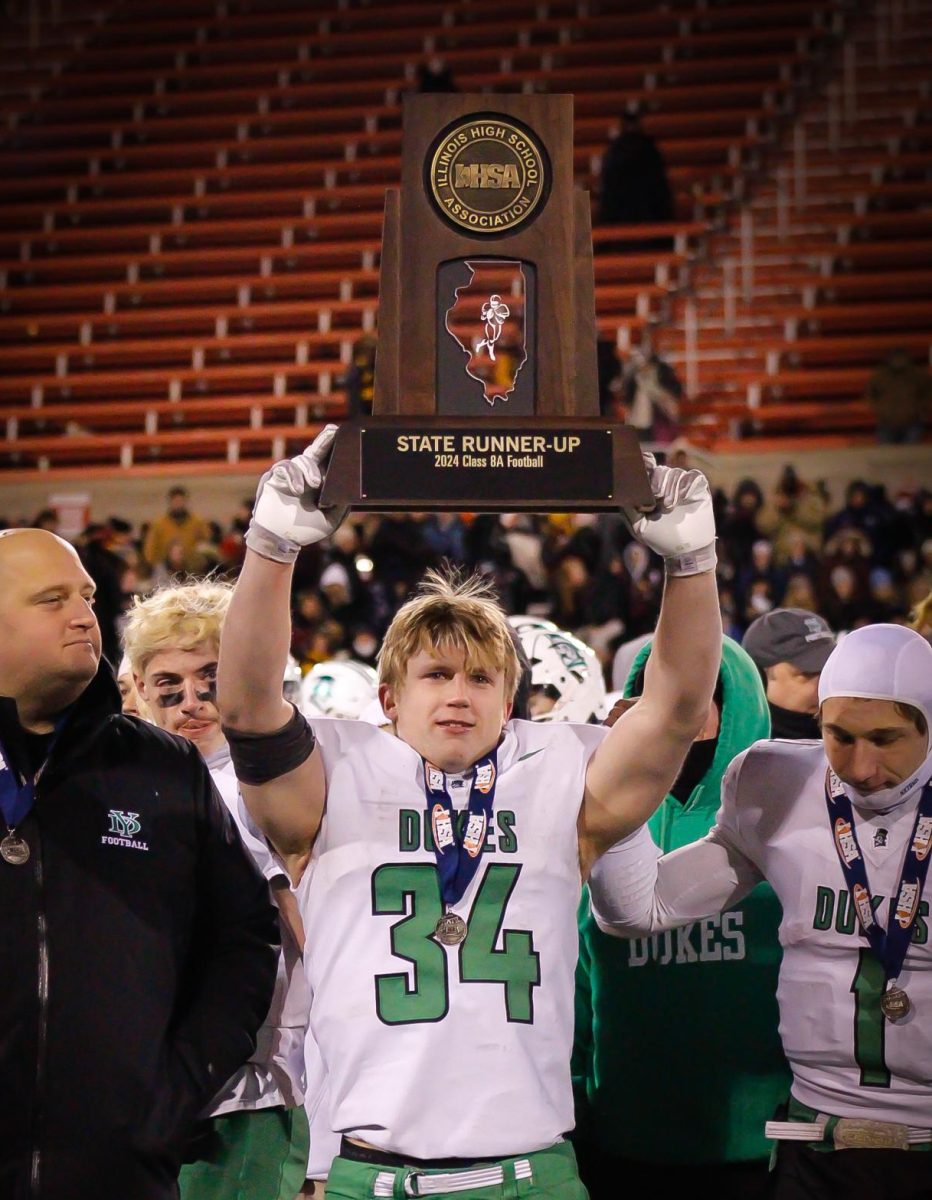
pixel 486 393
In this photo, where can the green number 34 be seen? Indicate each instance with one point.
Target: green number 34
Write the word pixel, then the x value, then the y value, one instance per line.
pixel 423 994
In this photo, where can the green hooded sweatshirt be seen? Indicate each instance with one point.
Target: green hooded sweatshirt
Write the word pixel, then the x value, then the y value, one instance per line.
pixel 677 1057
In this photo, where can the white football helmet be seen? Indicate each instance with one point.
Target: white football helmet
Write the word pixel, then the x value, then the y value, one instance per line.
pixel 566 672
pixel 291 685
pixel 338 688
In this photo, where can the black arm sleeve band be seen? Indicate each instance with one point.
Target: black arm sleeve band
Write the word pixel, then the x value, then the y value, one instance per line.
pixel 261 757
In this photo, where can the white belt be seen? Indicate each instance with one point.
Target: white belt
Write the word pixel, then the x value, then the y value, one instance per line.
pixel 796 1131
pixel 849 1133
pixel 418 1183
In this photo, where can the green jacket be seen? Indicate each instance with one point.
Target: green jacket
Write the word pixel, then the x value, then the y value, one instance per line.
pixel 677 1057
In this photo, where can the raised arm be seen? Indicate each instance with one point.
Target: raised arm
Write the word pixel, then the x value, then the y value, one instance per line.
pixel 636 765
pixel 634 892
pixel 280 774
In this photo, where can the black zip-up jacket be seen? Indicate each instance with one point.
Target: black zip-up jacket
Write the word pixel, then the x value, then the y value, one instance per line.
pixel 137 959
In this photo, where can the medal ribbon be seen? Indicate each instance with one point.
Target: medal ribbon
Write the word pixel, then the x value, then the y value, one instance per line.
pixel 889 946
pixel 458 856
pixel 17 797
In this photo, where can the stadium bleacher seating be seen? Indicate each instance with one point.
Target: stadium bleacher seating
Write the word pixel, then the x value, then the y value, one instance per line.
pixel 833 272
pixel 192 197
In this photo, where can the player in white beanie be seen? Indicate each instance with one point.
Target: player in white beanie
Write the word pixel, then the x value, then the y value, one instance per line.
pixel 842 830
pixel 890 664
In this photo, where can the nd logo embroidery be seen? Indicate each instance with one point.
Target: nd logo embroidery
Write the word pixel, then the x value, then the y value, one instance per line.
pixel 123 829
pixel 124 823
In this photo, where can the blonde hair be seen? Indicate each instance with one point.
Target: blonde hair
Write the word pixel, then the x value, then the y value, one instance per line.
pixel 450 610
pixel 177 617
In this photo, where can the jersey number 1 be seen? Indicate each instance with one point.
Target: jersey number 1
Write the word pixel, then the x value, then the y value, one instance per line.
pixel 867 986
pixel 424 995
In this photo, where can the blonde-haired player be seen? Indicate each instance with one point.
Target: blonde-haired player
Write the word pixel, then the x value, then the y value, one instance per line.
pixel 449 852
pixel 257 1136
pixel 171 640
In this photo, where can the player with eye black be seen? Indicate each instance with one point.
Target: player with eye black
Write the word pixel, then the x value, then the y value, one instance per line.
pixel 254 1139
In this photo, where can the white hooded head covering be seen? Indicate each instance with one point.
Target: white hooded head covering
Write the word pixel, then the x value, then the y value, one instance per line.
pixel 884 662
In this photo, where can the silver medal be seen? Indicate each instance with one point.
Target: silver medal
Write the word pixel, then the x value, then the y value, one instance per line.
pixel 14 850
pixel 895 1004
pixel 450 929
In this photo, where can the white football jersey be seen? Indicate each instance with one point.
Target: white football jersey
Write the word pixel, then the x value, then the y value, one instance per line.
pixel 847 1059
pixel 274 1074
pixel 436 1051
pixel 324 1142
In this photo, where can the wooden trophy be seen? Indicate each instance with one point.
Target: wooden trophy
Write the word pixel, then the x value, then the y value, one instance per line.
pixel 486 392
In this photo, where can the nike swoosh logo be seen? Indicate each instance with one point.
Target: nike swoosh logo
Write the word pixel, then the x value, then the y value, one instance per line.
pixel 530 754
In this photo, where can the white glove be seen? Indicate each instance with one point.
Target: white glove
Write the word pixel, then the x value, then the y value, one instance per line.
pixel 286 517
pixel 681 528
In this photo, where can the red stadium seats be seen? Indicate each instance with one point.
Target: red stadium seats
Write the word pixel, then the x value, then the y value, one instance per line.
pixel 193 204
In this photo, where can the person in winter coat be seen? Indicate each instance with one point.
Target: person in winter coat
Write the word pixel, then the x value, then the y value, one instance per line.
pixel 138 944
pixel 795 508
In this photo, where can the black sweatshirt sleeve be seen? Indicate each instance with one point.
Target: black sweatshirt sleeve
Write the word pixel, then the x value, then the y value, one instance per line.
pixel 232 965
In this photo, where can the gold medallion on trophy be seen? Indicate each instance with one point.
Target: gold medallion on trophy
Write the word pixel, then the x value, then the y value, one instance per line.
pixel 488 175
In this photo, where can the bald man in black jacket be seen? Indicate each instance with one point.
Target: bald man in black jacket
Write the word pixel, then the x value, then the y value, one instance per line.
pixel 137 940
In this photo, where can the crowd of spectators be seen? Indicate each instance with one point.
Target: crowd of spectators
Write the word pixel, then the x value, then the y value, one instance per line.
pixel 865 559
